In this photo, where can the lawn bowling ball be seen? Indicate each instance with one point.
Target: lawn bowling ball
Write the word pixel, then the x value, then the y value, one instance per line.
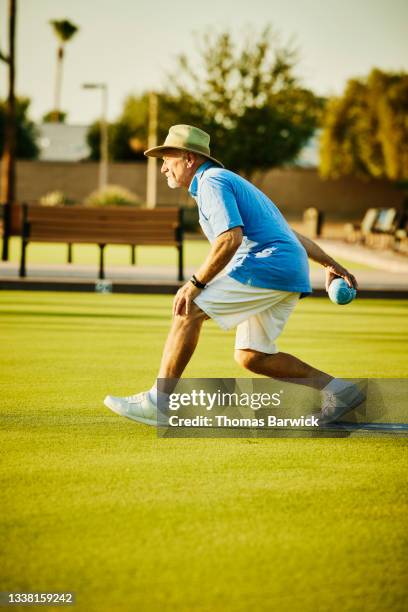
pixel 340 292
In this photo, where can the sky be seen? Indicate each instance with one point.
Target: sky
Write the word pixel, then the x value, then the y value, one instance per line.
pixel 132 44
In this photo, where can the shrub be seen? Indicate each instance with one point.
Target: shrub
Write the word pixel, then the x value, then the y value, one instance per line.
pixel 55 198
pixel 112 195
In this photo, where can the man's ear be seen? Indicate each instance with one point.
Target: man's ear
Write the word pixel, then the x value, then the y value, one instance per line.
pixel 191 159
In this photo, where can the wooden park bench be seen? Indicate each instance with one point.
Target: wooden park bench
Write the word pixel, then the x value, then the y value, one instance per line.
pixel 382 235
pixel 10 225
pixel 358 232
pixel 401 234
pixel 102 226
pixel 381 228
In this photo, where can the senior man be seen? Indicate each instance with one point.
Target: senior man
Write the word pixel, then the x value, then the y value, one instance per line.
pixel 264 266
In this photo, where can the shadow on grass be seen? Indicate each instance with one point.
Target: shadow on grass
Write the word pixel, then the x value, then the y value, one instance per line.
pixel 92 315
pixel 143 301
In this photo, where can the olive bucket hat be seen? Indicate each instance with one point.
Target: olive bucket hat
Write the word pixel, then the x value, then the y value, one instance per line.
pixel 184 138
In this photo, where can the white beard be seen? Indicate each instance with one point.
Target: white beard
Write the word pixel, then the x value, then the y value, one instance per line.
pixel 172 183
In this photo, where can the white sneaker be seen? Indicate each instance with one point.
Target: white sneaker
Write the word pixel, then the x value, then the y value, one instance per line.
pixel 335 405
pixel 137 407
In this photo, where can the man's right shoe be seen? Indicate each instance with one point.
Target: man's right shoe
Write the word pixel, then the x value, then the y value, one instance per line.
pixel 137 407
pixel 335 405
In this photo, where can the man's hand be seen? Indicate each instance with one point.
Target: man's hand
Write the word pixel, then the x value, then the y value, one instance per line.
pixel 183 299
pixel 334 270
pixel 222 250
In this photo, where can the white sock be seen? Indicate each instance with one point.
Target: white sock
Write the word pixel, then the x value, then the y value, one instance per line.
pixel 337 385
pixel 155 394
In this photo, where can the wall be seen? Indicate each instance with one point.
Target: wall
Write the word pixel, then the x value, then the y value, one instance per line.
pixel 292 190
pixel 346 198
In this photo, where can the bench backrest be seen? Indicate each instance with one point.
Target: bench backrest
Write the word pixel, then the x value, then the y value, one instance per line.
pixel 103 225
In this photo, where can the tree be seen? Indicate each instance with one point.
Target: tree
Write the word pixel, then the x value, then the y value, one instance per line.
pixel 119 137
pixel 64 30
pixel 365 131
pixel 247 98
pixel 128 135
pixel 8 159
pixel 9 117
pixel 54 116
pixel 93 138
pixel 26 130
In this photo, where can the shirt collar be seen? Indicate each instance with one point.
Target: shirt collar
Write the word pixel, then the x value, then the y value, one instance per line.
pixel 193 188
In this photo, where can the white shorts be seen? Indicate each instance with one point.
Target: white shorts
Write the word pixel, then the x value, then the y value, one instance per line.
pixel 259 314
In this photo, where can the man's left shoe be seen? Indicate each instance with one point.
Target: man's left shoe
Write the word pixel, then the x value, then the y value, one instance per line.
pixel 137 407
pixel 335 405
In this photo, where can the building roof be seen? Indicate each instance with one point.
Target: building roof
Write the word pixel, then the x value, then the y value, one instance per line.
pixel 62 142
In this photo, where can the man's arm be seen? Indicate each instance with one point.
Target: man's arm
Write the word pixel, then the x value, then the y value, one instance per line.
pixel 222 251
pixel 333 268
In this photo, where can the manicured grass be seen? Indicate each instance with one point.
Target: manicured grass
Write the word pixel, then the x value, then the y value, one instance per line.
pixel 99 505
pixel 118 255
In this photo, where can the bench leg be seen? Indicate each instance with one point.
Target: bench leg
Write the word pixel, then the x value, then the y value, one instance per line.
pixel 133 254
pixel 180 262
pixel 6 231
pixel 23 272
pixel 69 254
pixel 5 249
pixel 101 261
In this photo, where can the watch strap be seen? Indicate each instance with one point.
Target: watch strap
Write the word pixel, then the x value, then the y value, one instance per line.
pixel 197 283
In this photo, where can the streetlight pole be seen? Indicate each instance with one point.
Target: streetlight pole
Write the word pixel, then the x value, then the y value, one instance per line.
pixel 103 162
pixel 103 168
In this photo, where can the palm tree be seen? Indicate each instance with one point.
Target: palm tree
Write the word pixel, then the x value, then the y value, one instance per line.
pixel 9 150
pixel 64 30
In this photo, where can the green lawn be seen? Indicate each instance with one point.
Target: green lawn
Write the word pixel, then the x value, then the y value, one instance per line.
pixel 99 505
pixel 118 255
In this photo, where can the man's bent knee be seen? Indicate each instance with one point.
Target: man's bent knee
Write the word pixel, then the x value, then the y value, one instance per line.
pixel 195 315
pixel 248 358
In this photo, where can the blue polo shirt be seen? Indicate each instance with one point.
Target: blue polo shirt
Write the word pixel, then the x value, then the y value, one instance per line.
pixel 270 255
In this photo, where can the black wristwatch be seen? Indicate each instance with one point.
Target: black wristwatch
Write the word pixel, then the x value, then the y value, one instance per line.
pixel 197 283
